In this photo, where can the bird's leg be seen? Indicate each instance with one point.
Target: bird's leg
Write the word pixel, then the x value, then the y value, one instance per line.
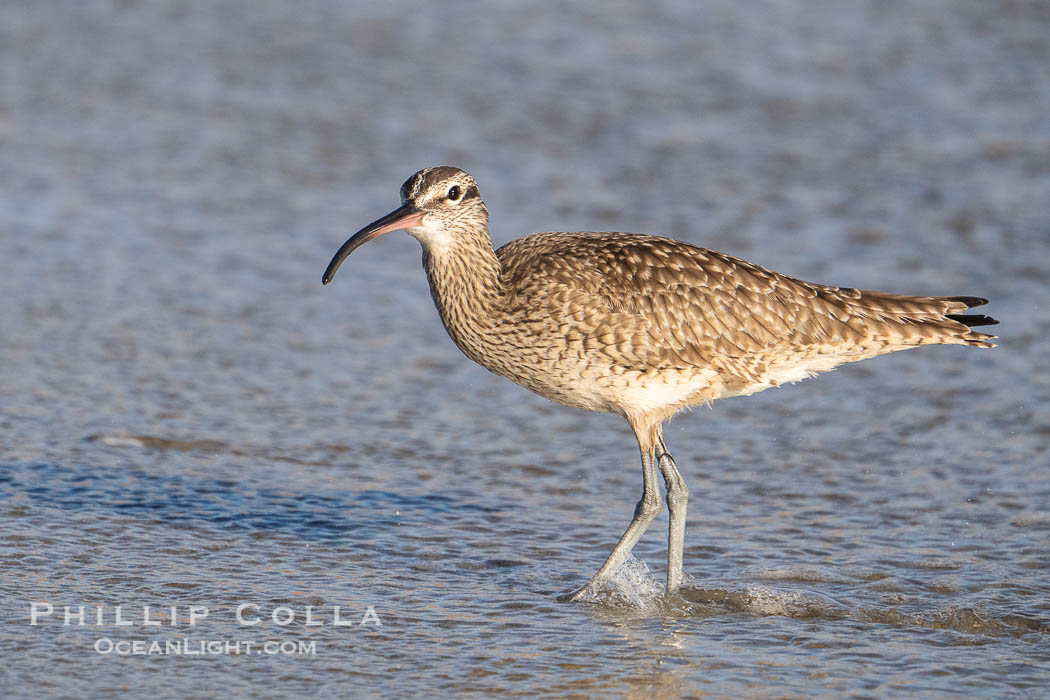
pixel 644 513
pixel 677 502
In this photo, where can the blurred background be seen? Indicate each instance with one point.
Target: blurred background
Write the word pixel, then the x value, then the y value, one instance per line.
pixel 187 415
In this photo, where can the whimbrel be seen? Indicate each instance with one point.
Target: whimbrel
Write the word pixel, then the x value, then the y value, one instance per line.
pixel 642 326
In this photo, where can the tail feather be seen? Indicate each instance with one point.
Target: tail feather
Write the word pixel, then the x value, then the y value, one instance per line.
pixel 930 319
pixel 972 320
pixel 969 301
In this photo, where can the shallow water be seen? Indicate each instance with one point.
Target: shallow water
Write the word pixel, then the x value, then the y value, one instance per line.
pixel 190 420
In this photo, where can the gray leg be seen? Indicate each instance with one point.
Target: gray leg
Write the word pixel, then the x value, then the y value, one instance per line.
pixel 644 513
pixel 677 503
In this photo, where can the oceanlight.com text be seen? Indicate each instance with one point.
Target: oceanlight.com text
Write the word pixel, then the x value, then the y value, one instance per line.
pixel 203 647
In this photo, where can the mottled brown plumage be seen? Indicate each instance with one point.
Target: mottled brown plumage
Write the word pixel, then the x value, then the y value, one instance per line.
pixel 642 326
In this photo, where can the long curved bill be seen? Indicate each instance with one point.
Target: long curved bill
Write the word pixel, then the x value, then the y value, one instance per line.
pixel 405 216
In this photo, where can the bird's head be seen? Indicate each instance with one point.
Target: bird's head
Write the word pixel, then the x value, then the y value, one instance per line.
pixel 438 206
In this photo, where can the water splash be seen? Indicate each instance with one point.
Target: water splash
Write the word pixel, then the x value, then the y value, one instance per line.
pixel 632 586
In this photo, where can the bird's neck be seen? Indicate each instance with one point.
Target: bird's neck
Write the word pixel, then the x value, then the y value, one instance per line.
pixel 464 277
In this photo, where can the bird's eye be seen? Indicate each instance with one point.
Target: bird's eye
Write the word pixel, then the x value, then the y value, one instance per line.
pixel 454 193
